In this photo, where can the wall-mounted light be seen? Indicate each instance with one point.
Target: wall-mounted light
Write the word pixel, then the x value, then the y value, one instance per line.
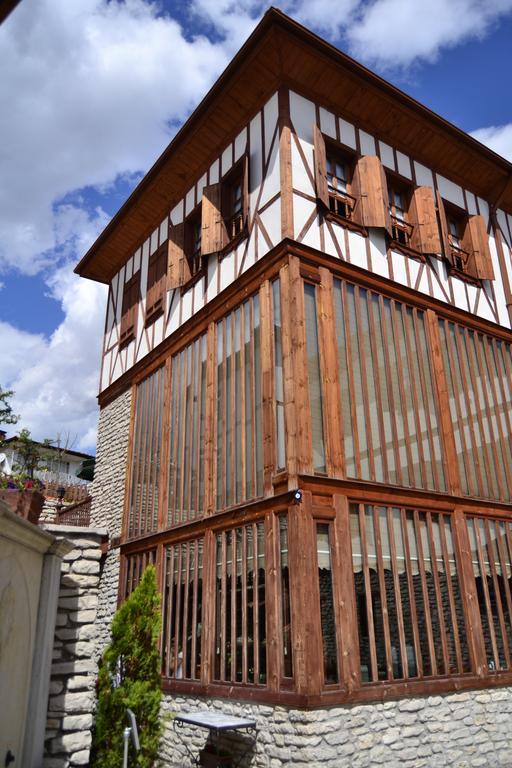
pixel 297 495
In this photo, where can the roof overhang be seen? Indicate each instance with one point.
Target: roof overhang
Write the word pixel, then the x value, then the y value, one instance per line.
pixel 280 51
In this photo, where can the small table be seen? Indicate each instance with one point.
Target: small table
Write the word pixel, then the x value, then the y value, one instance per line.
pixel 215 723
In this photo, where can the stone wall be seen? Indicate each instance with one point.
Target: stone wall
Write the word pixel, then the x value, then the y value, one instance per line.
pixel 108 501
pixel 462 730
pixel 73 675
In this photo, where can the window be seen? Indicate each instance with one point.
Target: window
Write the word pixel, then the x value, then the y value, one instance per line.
pixel 314 378
pixel 156 284
pixel 341 203
pixel 408 596
pixel 233 203
pixel 327 612
pixel 182 610
pixel 465 242
pixel 130 309
pixel 401 228
pixel 193 232
pixel 240 606
pixel 134 567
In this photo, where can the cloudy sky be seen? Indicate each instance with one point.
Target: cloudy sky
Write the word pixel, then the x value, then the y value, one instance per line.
pixel 92 91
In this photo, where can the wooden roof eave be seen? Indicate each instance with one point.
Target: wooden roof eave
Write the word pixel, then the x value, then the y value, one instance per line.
pixel 282 51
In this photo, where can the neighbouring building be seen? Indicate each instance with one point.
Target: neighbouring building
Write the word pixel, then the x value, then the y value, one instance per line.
pixel 306 414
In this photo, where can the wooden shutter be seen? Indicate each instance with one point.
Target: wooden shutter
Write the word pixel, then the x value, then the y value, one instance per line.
pixel 476 242
pixel 322 190
pixel 370 185
pixel 131 296
pixel 156 285
pixel 179 269
pixel 213 230
pixel 443 222
pixel 422 215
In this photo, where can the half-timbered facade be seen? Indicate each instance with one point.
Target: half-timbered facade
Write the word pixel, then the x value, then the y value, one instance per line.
pixel 306 389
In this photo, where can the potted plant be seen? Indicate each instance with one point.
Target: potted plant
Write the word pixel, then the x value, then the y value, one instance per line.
pixel 23 495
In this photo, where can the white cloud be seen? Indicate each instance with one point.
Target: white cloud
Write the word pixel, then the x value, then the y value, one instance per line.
pixel 498 138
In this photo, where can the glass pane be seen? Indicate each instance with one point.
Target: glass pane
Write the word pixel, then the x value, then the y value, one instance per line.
pixel 314 380
pixel 327 614
pixel 285 597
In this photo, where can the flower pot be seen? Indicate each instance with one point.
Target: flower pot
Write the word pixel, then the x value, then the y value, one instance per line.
pixel 25 504
pixel 211 760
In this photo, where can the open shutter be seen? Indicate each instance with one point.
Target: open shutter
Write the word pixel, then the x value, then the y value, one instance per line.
pixel 131 297
pixel 213 230
pixel 444 229
pixel 422 215
pixel 372 209
pixel 179 270
pixel 156 285
pixel 322 190
pixel 476 243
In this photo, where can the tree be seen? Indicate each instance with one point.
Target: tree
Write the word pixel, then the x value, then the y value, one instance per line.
pixel 30 455
pixel 6 414
pixel 129 676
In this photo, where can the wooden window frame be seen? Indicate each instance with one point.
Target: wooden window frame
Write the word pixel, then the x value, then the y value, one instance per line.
pixel 195 260
pixel 130 310
pixel 470 260
pixel 236 223
pixel 402 230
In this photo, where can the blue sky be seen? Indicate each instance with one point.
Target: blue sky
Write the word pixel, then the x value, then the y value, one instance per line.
pixel 94 91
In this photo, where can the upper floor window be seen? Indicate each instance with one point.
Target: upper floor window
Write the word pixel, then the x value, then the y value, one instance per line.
pixel 234 201
pixel 399 202
pixel 339 175
pixel 465 242
pixel 193 231
pixel 130 307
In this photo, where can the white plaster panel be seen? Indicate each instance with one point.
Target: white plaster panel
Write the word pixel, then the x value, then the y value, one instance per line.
pixel 143 348
pixel 240 144
pixel 211 278
pixel 227 270
pixel 271 219
pixel 459 294
pixel 164 231
pixel 312 236
pixel 300 178
pixel 270 113
pixel 186 306
pixel 136 259
pixel 128 270
pixel 378 252
pixel 214 172
pixel 502 222
pixel 201 184
pixel 414 268
pixel 174 314
pixel 110 313
pixel 501 302
pixel 302 113
pixel 327 123
pixel 367 143
pixel 484 210
pixel 105 374
pixel 329 246
pixel 116 373
pixel 227 159
pixel 256 161
pixel 131 348
pixel 472 291
pixel 404 165
pixel 262 243
pixel 154 241
pixel 347 133
pixel 119 304
pixel 198 295
pixel 424 176
pixel 272 182
pixel 190 201
pixel 423 284
pixel 250 255
pixel 144 271
pixel 177 213
pixel 484 308
pixel 302 210
pixel 450 191
pixel 158 330
pixel 399 269
pixel 357 249
pixel 439 267
pixel 386 155
pixel 471 201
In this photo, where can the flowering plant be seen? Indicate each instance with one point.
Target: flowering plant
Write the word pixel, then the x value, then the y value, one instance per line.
pixel 20 481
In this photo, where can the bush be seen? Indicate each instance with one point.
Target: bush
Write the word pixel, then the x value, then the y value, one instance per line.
pixel 129 676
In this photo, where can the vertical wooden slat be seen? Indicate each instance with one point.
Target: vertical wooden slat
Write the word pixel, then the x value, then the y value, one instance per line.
pixel 184 609
pixel 497 593
pixel 210 427
pixel 412 595
pixel 425 376
pixel 285 162
pixel 333 427
pixel 389 384
pixel 165 451
pixel 242 396
pixel 234 646
pixel 416 408
pixel 348 640
pixel 179 607
pixel 487 598
pixel 451 597
pixel 438 595
pixel 378 388
pixel 368 594
pixel 267 371
pixel 383 593
pixel 244 603
pixel 424 590
pixel 448 438
pixel 364 383
pixel 208 601
pixel 398 596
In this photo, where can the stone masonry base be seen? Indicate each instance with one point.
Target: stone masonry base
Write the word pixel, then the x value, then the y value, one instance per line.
pixel 464 730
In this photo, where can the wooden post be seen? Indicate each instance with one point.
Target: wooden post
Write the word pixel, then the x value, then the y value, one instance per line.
pixel 285 163
pixel 350 672
pixel 267 372
pixel 210 428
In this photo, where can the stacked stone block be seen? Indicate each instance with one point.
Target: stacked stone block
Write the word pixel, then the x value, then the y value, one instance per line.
pixel 74 668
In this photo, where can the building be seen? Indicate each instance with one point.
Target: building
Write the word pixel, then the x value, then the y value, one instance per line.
pixel 60 464
pixel 306 413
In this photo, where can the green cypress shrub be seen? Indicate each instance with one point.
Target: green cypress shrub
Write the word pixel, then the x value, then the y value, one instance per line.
pixel 129 676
